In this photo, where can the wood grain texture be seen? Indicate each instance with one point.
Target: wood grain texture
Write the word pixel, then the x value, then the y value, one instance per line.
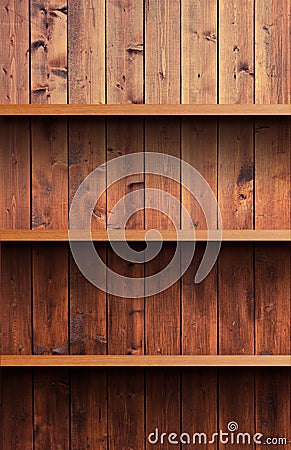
pixel 199 310
pixel 50 300
pixel 140 235
pixel 273 403
pixel 51 409
pixel 236 173
pixel 236 404
pixel 162 404
pixel 199 149
pixel 144 110
pixel 236 51
pixel 16 423
pixel 145 361
pixel 49 174
pixel 86 52
pixel 199 51
pixel 236 299
pixel 126 409
pixel 49 66
pixel 88 409
pixel 15 305
pixel 273 299
pixel 162 56
pixel 14 174
pixel 87 303
pixel 199 316
pixel 273 61
pixel 14 36
pixel 125 49
pixel 199 405
pixel 273 176
pixel 162 319
pixel 125 316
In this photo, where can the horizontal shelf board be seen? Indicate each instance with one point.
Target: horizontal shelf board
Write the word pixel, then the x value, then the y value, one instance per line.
pixel 144 110
pixel 141 235
pixel 145 361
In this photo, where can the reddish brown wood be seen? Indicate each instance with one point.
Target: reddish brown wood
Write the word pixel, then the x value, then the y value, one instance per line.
pixel 126 409
pixel 236 299
pixel 16 423
pixel 14 36
pixel 51 412
pixel 162 404
pixel 237 404
pixel 87 303
pixel 162 57
pixel 199 405
pixel 88 409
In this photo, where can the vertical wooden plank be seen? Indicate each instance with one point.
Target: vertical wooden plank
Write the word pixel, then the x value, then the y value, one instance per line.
pixel 126 409
pixel 49 174
pixel 48 51
pixel 87 303
pixel 86 51
pixel 15 304
pixel 236 404
pixel 273 159
pixel 273 49
pixel 236 299
pixel 124 21
pixel 50 300
pixel 162 51
pixel 273 404
pixel 50 281
pixel 162 312
pixel 199 148
pixel 15 300
pixel 88 409
pixel 273 299
pixel 199 51
pixel 126 316
pixel 162 406
pixel 14 37
pixel 199 317
pixel 236 51
pixel 272 212
pixel 199 310
pixel 16 409
pixel 51 413
pixel 88 330
pixel 199 405
pixel 163 309
pixel 14 173
pixel 124 51
pixel 235 276
pixel 236 172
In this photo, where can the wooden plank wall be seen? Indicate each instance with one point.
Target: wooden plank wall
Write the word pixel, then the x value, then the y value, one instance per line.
pixel 162 51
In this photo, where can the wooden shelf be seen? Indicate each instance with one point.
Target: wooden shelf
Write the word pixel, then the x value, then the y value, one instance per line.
pixel 145 110
pixel 140 235
pixel 145 361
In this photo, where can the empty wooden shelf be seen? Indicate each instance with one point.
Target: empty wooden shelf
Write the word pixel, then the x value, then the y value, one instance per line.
pixel 146 361
pixel 141 235
pixel 144 110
